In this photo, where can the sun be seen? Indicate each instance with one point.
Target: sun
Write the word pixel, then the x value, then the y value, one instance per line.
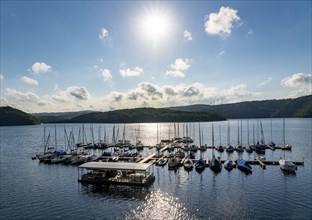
pixel 155 26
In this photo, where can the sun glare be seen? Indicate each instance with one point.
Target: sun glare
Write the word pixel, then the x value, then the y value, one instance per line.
pixel 155 26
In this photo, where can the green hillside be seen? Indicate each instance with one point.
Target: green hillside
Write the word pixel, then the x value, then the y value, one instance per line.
pixel 299 107
pixel 145 115
pixel 11 116
pixel 57 117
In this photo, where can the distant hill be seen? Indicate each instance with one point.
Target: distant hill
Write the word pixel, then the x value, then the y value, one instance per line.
pixel 11 116
pixel 299 107
pixel 55 117
pixel 145 115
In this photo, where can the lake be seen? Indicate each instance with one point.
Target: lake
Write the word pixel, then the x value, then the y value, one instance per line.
pixel 33 190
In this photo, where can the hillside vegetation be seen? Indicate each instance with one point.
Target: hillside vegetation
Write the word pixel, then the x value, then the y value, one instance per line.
pixel 299 107
pixel 48 117
pixel 11 116
pixel 145 115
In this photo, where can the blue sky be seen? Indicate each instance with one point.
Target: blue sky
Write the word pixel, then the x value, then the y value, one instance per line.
pixel 105 55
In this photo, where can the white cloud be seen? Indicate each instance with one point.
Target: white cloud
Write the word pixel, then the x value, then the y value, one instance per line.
pixel 128 73
pixel 143 95
pixel 80 93
pixel 60 98
pixel 153 95
pixel 40 68
pixel 103 33
pixel 3 101
pixel 221 23
pixel 1 77
pixel 187 35
pixel 29 81
pixel 301 82
pixel 106 74
pixel 175 73
pixel 250 32
pixel 71 95
pixel 297 80
pixel 178 67
pixel 265 82
pixel 25 96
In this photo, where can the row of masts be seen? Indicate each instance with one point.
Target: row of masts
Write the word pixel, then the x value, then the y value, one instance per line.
pixel 188 135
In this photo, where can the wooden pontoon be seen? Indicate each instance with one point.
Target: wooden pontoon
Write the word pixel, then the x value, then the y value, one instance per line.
pixel 131 174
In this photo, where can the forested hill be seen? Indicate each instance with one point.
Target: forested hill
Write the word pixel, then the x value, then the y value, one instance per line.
pixel 145 115
pixel 299 107
pixel 11 116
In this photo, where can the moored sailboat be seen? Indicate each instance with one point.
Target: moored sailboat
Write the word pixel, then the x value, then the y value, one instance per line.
pixel 200 164
pixel 188 164
pixel 162 161
pixel 228 165
pixel 286 164
pixel 174 162
pixel 215 163
pixel 244 166
pixel 229 147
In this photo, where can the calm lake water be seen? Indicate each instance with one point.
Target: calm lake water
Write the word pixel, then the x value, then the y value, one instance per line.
pixel 33 190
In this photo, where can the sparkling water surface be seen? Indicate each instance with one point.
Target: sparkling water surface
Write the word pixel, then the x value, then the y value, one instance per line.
pixel 33 190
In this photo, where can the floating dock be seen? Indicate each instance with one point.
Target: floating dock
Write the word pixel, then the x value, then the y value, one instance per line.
pixel 114 173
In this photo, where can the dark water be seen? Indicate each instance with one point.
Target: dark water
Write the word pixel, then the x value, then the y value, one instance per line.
pixel 30 190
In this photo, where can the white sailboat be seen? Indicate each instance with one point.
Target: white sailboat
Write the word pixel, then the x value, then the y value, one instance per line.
pixel 229 147
pixel 286 164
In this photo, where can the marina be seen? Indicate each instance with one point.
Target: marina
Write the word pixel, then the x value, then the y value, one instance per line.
pixel 121 162
pixel 180 192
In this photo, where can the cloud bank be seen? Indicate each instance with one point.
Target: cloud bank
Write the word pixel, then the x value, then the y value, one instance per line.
pixel 301 82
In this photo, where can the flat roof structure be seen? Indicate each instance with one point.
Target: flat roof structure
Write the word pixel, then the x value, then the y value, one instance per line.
pixel 115 166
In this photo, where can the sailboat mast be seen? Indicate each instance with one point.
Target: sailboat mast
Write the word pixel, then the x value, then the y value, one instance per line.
pixel 212 140
pixel 271 128
pixel 44 140
pixel 228 137
pixel 284 138
pixel 124 134
pixel 157 136
pixel 220 133
pixel 200 140
pixel 247 132
pixel 253 133
pixel 284 141
pixel 202 134
pixel 55 139
pixel 83 134
pixel 212 136
pixel 238 133
pixel 241 131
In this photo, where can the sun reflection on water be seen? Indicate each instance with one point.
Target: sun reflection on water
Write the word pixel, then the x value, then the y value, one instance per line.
pixel 160 205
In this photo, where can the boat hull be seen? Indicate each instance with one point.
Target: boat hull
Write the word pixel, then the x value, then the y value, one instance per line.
pixel 287 165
